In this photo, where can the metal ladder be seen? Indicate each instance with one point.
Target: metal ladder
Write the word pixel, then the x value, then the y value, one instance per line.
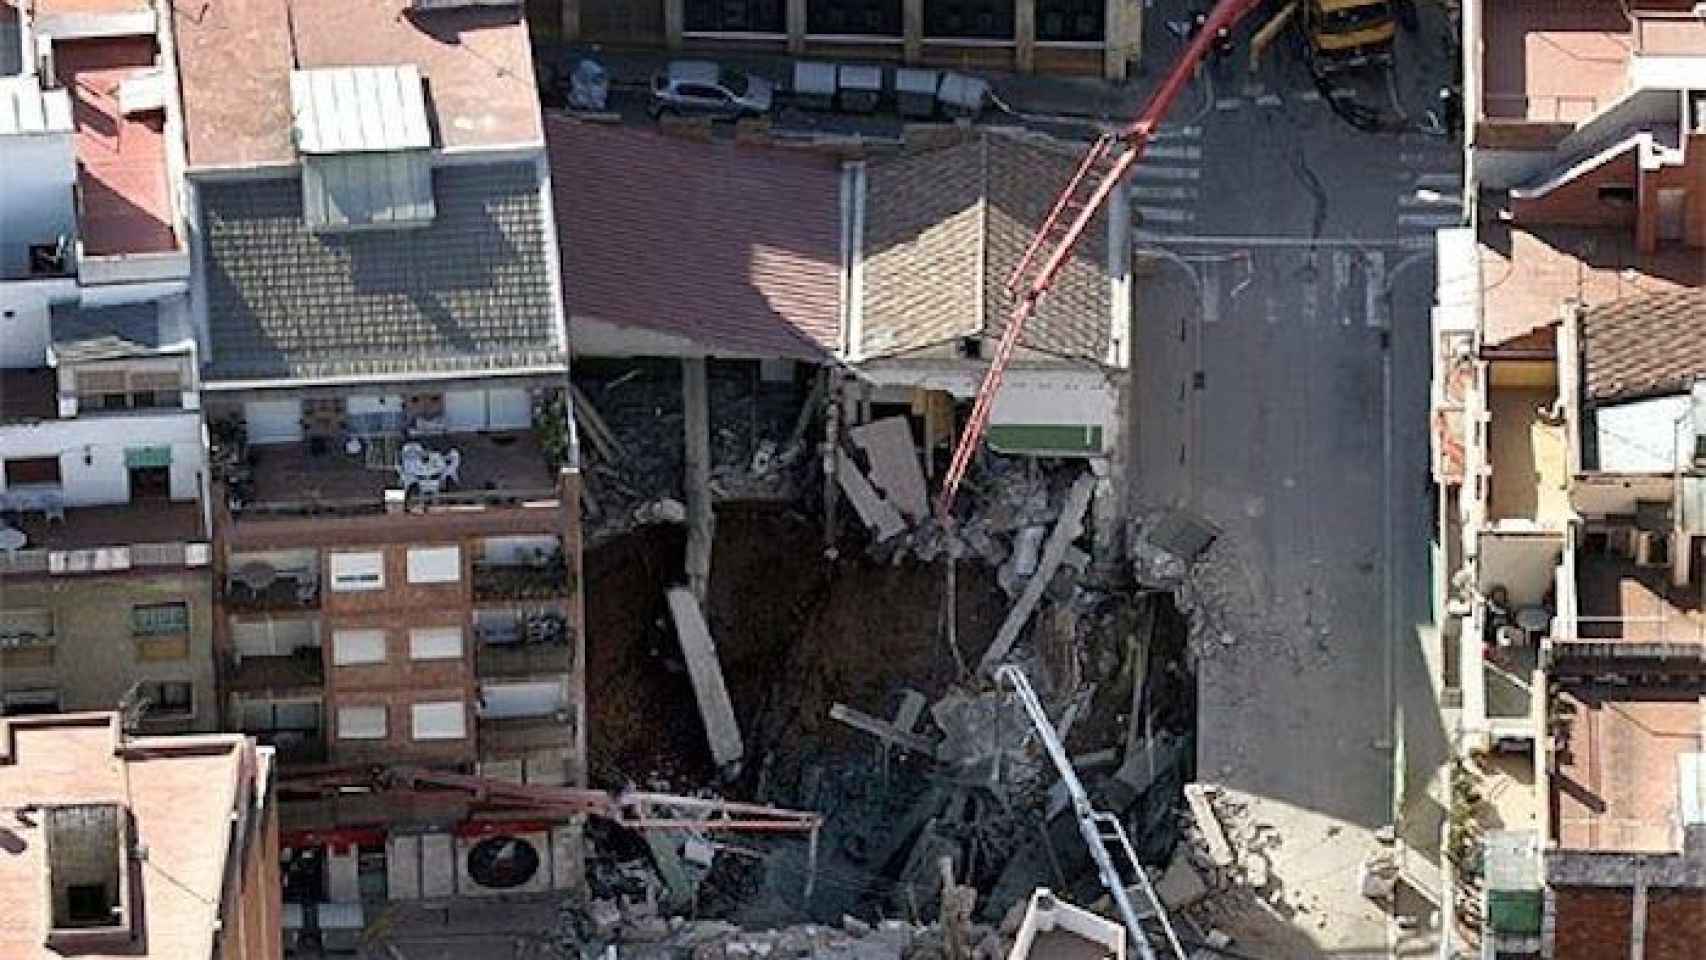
pixel 1098 827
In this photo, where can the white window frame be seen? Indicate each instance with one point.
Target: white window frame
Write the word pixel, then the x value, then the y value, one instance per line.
pixel 358 571
pixel 347 642
pixel 441 710
pixel 366 710
pixel 434 643
pixel 441 564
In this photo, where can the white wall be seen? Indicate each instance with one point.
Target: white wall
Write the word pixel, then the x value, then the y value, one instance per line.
pixel 1596 495
pixel 36 175
pixel 1524 564
pixel 103 479
pixel 24 319
pixel 1027 396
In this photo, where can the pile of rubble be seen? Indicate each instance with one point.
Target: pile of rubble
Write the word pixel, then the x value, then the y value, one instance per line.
pixel 632 430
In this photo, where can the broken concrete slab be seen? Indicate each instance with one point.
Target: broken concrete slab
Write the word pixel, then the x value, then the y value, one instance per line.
pixel 894 463
pixel 706 672
pixel 1066 529
pixel 1180 885
pixel 1208 823
pixel 882 729
pixel 878 514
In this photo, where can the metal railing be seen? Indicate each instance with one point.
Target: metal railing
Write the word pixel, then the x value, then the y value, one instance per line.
pixel 372 506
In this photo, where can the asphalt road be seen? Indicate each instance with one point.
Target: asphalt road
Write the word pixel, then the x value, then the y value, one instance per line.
pixel 1281 391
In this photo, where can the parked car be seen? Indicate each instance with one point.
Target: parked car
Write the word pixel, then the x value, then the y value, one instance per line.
pixel 704 88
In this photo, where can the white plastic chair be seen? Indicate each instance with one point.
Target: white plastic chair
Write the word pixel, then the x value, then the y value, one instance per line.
pixel 452 467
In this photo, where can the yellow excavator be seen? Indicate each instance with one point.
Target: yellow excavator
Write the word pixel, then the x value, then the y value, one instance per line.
pixel 1348 33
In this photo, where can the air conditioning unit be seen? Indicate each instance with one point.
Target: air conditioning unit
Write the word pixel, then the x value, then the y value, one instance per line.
pixel 504 863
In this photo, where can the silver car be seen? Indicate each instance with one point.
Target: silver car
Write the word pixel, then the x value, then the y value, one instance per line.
pixel 704 88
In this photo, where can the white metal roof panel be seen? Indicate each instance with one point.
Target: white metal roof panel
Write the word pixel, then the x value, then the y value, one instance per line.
pixel 359 109
pixel 367 191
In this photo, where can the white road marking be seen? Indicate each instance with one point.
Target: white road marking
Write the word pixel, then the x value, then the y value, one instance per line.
pixel 1228 103
pixel 1374 288
pixel 1145 171
pixel 1308 96
pixel 1440 181
pixel 1164 152
pixel 1430 221
pixel 1429 198
pixel 1164 214
pixel 1269 100
pixel 1145 192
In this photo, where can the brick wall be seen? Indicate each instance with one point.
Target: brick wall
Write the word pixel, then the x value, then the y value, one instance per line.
pixel 1592 923
pixel 1577 203
pixel 1676 924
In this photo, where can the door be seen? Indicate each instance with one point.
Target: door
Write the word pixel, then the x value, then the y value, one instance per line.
pixel 150 483
pixel 273 421
pixel 465 410
pixel 1672 204
pixel 509 409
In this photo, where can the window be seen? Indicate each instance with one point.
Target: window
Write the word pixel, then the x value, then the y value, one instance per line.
pixel 435 643
pixel 352 572
pixel 159 619
pixel 264 716
pixel 276 638
pixel 361 723
pixel 20 703
pixel 435 564
pixel 445 720
pixel 167 700
pixel 25 471
pixel 351 647
pixel 1617 195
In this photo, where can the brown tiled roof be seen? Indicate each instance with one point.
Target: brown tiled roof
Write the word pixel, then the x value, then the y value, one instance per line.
pixel 1644 345
pixel 944 229
pixel 736 248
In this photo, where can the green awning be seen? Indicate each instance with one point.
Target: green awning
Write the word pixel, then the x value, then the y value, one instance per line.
pixel 1057 439
pixel 160 456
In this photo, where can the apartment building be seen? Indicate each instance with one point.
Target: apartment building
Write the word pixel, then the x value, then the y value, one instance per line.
pixel 105 576
pixel 1569 408
pixel 397 523
pixel 1082 37
pixel 119 845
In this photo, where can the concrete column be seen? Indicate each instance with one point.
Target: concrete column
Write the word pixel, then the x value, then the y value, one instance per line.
pixel 570 13
pixel 912 30
pixel 569 505
pixel 1122 36
pixel 701 523
pixel 1025 35
pixel 796 20
pixel 1638 915
pixel 674 22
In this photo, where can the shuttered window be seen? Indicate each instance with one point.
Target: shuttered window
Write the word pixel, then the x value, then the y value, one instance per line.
pixel 435 643
pixel 361 723
pixel 435 564
pixel 350 647
pixel 352 572
pixel 443 720
pixel 156 619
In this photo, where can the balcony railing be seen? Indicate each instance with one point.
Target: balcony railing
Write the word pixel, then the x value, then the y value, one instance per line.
pixel 295 746
pixel 438 503
pixel 105 559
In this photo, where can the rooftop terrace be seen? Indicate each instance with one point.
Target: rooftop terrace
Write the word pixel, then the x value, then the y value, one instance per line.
pixel 1615 784
pixel 121 176
pixel 1620 601
pixel 86 528
pixel 1530 272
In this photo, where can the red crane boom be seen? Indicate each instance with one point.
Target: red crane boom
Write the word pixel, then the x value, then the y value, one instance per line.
pixel 1107 162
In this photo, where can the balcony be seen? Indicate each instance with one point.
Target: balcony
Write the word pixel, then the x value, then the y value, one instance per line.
pixel 141 535
pixel 523 581
pixel 1632 614
pixel 251 591
pixel 499 738
pixel 318 478
pixel 298 673
pixel 523 659
pixel 294 747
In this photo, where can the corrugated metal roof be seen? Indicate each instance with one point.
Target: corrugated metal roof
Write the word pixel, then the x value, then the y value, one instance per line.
pixel 367 191
pixel 25 108
pixel 359 109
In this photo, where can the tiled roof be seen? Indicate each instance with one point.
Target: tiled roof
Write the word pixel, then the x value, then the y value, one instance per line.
pixel 469 293
pixel 1644 345
pixel 735 248
pixel 944 230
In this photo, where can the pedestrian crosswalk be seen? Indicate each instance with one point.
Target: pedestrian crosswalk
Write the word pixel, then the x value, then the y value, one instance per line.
pixel 1164 186
pixel 1431 192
